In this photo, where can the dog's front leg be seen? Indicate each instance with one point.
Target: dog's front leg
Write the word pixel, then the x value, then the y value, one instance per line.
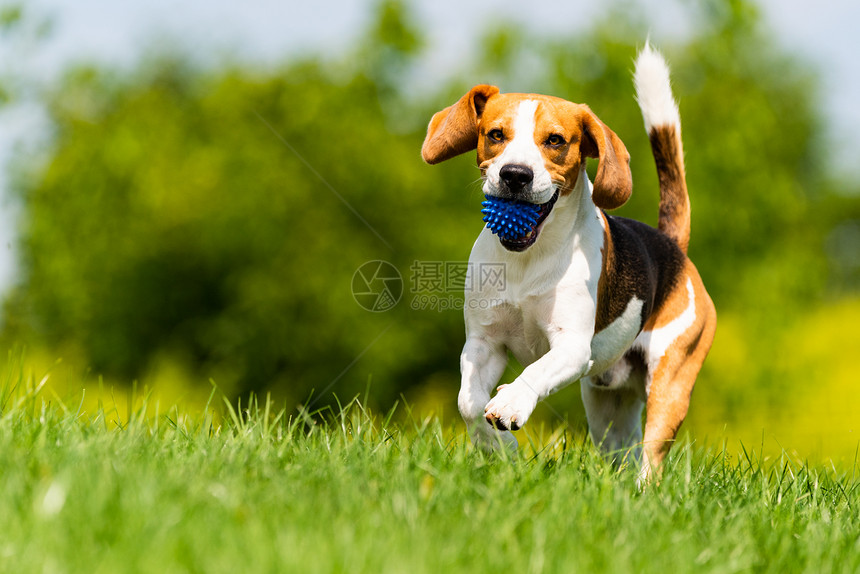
pixel 566 362
pixel 481 366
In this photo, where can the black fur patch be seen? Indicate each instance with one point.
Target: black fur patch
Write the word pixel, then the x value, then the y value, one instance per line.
pixel 647 265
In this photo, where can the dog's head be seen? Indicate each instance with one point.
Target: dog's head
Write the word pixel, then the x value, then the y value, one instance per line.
pixel 531 147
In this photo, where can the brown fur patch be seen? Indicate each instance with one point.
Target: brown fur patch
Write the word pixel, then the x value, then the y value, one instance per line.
pixel 676 301
pixel 674 376
pixel 454 130
pixel 674 218
pixel 613 182
pixel 603 317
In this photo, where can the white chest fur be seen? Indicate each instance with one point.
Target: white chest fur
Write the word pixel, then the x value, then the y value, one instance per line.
pixel 549 292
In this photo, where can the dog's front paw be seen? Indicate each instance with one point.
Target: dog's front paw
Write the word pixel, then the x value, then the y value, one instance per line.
pixel 511 407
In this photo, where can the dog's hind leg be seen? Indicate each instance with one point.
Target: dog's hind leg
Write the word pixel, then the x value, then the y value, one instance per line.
pixel 671 379
pixel 614 420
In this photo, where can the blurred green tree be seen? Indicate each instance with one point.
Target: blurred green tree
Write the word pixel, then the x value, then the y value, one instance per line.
pixel 206 217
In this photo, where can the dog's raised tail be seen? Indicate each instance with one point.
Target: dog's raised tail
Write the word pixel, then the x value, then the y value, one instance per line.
pixel 663 124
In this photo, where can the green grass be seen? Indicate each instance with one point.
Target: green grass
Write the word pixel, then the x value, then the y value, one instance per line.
pixel 259 491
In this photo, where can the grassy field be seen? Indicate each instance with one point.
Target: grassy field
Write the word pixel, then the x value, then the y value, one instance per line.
pixel 254 490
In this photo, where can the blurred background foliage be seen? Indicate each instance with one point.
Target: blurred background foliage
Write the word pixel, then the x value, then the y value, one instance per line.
pixel 189 223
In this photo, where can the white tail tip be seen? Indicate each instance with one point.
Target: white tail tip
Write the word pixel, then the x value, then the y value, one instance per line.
pixel 654 91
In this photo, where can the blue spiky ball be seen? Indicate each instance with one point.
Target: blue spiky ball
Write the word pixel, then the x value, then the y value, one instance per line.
pixel 509 218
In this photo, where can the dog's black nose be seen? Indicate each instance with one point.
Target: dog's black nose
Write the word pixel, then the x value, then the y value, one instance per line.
pixel 516 176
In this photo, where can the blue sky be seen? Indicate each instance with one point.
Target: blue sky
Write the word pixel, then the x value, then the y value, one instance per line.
pixel 117 32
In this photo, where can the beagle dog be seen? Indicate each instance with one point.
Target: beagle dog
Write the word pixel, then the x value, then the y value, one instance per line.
pixel 608 301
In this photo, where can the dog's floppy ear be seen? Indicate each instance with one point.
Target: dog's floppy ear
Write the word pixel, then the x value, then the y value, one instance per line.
pixel 613 182
pixel 454 130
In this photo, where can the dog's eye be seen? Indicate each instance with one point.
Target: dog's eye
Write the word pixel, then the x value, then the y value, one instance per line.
pixel 554 140
pixel 496 135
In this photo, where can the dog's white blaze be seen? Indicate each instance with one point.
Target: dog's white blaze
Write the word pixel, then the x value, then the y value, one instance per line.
pixel 522 150
pixel 609 345
pixel 655 343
